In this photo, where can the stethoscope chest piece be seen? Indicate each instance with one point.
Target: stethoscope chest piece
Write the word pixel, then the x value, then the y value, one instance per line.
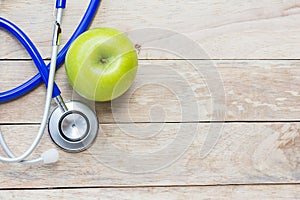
pixel 74 130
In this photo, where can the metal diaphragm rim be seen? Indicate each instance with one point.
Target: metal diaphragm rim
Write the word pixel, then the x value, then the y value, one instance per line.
pixel 79 117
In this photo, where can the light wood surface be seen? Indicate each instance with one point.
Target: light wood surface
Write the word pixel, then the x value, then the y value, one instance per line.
pixel 164 91
pixel 168 193
pixel 163 154
pixel 214 115
pixel 235 29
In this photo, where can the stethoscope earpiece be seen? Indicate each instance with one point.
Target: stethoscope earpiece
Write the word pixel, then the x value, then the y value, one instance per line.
pixel 50 156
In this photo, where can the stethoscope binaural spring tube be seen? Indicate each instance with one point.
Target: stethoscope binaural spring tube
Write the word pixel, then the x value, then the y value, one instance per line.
pixel 37 79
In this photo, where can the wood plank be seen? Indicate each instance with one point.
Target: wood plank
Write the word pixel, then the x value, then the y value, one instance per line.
pixel 219 192
pixel 177 91
pixel 234 29
pixel 163 154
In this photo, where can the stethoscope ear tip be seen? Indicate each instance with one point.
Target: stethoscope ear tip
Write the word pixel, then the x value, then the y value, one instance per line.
pixel 50 156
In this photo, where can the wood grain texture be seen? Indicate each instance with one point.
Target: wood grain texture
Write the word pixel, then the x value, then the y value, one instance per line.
pixel 163 154
pixel 177 91
pixel 229 192
pixel 250 29
pixel 158 133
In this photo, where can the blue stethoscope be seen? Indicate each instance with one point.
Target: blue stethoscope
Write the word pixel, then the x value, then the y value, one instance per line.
pixel 73 126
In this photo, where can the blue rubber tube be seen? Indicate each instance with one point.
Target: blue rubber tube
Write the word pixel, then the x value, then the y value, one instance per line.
pixel 31 49
pixel 37 79
pixel 60 3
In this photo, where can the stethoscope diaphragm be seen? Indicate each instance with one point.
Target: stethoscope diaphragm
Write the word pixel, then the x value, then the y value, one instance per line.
pixel 74 130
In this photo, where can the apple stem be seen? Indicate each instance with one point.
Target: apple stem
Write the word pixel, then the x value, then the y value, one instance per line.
pixel 103 60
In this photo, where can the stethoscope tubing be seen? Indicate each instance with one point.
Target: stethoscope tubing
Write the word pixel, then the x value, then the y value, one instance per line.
pixel 37 59
pixel 32 50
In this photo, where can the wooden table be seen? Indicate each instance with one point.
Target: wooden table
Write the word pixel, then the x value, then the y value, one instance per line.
pixel 213 113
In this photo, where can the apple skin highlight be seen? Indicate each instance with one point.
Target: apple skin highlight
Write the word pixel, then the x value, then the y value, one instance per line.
pixel 101 64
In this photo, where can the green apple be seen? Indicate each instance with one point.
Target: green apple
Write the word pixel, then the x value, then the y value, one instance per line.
pixel 101 64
